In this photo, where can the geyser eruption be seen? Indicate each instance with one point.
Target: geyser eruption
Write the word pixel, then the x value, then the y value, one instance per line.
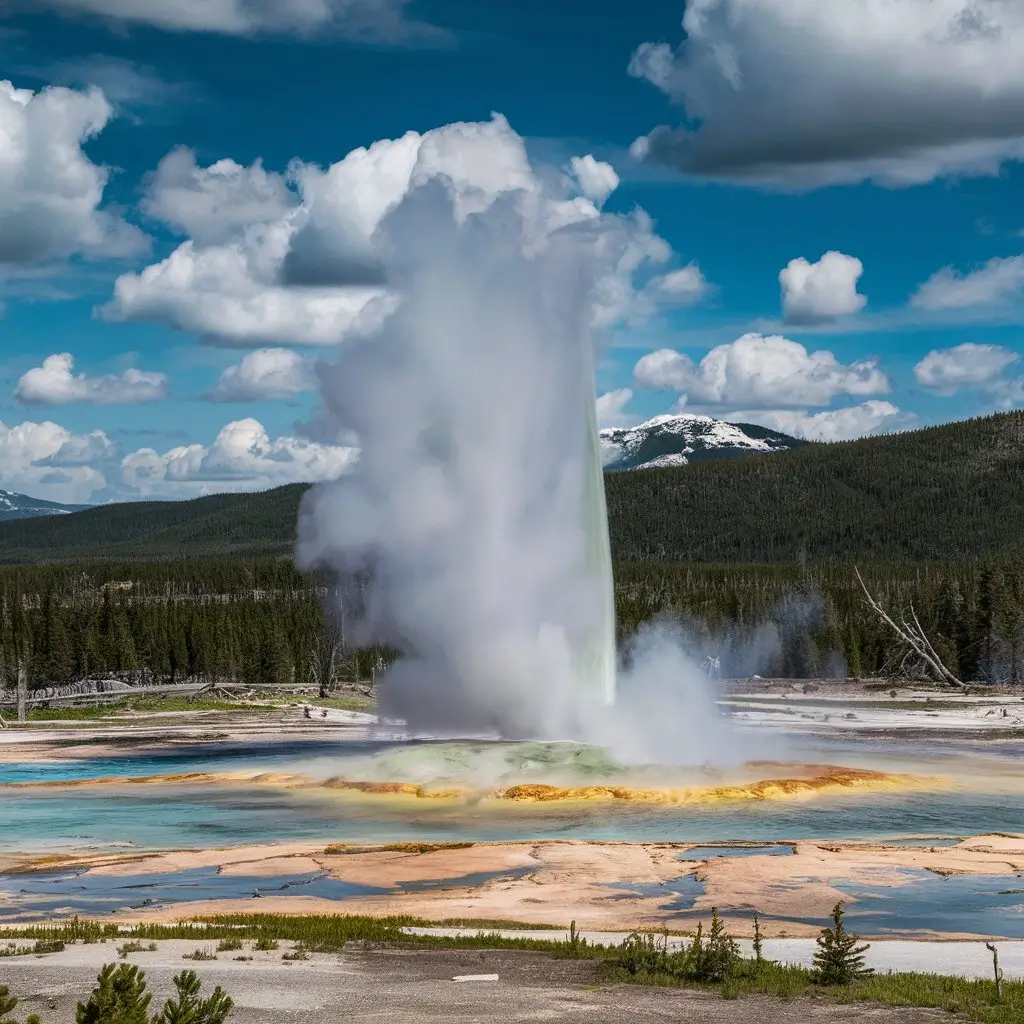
pixel 596 661
pixel 476 510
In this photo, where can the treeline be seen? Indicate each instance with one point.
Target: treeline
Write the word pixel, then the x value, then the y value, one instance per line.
pixel 814 621
pixel 248 622
pixel 262 621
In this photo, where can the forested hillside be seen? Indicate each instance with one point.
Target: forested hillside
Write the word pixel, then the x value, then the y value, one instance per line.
pixel 222 524
pixel 753 557
pixel 949 492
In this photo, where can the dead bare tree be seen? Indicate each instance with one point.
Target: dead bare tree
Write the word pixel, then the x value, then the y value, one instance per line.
pixel 22 689
pixel 913 635
pixel 331 656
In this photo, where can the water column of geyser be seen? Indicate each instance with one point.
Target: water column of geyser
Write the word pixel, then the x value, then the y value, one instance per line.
pixel 597 658
pixel 476 510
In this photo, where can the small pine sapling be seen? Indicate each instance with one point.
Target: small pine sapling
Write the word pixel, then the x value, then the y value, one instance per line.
pixel 188 1008
pixel 758 940
pixel 839 960
pixel 8 1003
pixel 721 954
pixel 120 997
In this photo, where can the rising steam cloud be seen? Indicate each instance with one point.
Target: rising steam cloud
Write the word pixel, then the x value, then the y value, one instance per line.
pixel 470 401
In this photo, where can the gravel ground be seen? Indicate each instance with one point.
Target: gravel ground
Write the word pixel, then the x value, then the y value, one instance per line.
pixel 415 987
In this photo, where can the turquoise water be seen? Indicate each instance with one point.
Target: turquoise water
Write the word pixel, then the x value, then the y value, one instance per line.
pixel 203 816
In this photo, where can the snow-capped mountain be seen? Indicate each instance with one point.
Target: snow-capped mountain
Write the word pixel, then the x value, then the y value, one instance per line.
pixel 678 440
pixel 21 506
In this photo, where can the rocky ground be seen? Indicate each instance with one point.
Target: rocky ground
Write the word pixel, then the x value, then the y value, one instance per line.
pixel 417 987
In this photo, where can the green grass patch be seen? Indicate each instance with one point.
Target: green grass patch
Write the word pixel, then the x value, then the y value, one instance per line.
pixel 976 1000
pixel 140 705
pixel 155 703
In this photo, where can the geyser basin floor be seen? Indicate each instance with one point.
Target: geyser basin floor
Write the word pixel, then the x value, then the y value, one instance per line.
pixel 968 890
pixel 982 793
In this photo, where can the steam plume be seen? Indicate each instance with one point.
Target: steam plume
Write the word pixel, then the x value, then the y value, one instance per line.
pixel 471 405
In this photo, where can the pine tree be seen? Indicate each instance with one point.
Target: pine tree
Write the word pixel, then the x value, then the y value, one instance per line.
pixel 721 953
pixel 839 960
pixel 7 1004
pixel 188 1008
pixel 758 940
pixel 120 997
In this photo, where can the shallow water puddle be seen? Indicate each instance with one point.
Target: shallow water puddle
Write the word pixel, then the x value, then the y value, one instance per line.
pixel 42 893
pixel 709 852
pixel 686 890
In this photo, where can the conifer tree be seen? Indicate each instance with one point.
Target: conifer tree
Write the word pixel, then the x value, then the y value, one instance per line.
pixel 120 997
pixel 188 1008
pixel 839 960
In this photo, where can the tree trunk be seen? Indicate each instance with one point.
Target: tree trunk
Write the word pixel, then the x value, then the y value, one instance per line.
pixel 22 690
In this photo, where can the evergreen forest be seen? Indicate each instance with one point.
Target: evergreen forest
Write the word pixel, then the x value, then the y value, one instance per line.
pixel 751 558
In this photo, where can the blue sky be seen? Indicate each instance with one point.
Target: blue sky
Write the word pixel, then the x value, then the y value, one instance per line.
pixel 805 135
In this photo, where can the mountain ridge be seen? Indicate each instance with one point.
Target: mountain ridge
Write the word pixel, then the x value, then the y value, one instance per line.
pixel 678 439
pixel 14 505
pixel 937 494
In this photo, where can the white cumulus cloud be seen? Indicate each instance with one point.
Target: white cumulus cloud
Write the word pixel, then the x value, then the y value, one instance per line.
pixel 832 425
pixel 49 462
pixel 760 371
pixel 805 93
pixel 51 193
pixel 56 383
pixel 999 280
pixel 265 268
pixel 683 287
pixel 596 179
pixel 819 292
pixel 265 373
pixel 372 20
pixel 611 407
pixel 243 457
pixel 217 203
pixel 949 370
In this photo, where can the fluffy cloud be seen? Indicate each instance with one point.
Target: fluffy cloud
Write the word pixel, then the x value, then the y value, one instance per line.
pixel 50 191
pixel 804 93
pixel 55 383
pixel 217 203
pixel 683 287
pixel 971 367
pixel 229 294
pixel 47 461
pixel 596 179
pixel 243 457
pixel 267 268
pixel 760 371
pixel 818 292
pixel 125 83
pixel 999 280
pixel 965 366
pixel 372 20
pixel 610 407
pixel 833 425
pixel 265 373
